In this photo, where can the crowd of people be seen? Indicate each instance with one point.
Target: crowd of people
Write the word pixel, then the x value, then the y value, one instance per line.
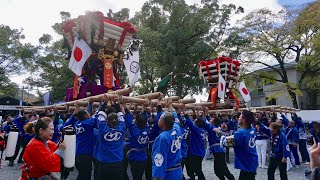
pixel 156 143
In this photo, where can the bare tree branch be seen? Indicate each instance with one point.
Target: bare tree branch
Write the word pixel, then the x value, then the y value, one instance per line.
pixel 273 68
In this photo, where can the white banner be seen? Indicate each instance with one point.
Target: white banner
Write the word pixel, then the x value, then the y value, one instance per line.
pixel 46 98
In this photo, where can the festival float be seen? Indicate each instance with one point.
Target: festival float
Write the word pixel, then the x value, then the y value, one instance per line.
pixel 222 75
pixel 109 43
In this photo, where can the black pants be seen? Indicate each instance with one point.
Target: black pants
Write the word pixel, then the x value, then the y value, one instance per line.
pixel 274 163
pixel 220 167
pixel 24 144
pixel 84 166
pixel 244 175
pixel 96 169
pixel 303 150
pixel 190 172
pixel 195 166
pixel 137 169
pixel 111 171
pixel 148 170
pixel 183 162
pixel 125 162
pixel 227 155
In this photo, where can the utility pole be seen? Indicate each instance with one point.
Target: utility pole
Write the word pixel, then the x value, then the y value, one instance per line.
pixel 21 100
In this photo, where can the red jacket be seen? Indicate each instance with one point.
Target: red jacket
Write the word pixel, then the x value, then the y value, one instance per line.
pixel 40 160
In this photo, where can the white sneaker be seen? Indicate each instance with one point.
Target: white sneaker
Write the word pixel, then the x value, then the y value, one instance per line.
pixel 264 167
pixel 307 163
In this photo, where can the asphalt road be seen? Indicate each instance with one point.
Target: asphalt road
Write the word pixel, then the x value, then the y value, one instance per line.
pixel 297 173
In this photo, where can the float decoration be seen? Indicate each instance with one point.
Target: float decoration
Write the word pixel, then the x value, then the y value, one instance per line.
pixel 109 41
pixel 209 71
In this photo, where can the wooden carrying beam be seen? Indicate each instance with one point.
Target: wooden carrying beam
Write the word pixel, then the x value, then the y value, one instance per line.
pixel 149 96
pixel 134 100
pixel 98 98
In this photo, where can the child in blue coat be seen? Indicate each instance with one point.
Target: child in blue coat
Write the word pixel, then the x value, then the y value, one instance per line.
pixel 139 138
pixel 110 146
pixel 292 135
pixel 84 127
pixel 196 149
pixel 220 166
pixel 280 150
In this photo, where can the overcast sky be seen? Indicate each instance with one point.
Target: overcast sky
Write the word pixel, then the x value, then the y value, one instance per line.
pixel 36 17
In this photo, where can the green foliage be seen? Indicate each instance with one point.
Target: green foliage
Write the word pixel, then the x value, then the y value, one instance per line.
pixel 13 54
pixel 282 36
pixel 176 37
pixel 122 15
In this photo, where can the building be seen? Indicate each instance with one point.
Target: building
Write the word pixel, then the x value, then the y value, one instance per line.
pixel 262 91
pixel 8 105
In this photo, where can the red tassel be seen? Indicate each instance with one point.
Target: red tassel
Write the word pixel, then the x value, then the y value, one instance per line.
pixel 75 87
pixel 213 94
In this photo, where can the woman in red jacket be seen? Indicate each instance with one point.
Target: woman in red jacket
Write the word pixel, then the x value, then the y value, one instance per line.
pixel 40 157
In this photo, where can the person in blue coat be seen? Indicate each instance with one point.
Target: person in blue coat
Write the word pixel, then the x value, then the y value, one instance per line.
pixel 280 150
pixel 262 144
pixel 148 170
pixel 220 166
pixel 302 138
pixel 166 150
pixel 184 134
pixel 139 138
pixel 246 158
pixel 110 145
pixel 292 135
pixel 285 120
pixel 57 123
pixel 227 129
pixel 184 147
pixel 84 128
pixel 24 137
pixel 196 150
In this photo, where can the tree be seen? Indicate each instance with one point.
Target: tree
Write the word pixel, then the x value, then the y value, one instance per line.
pixel 13 54
pixel 268 35
pixel 176 37
pixel 307 45
pixel 7 88
pixel 289 35
pixel 50 66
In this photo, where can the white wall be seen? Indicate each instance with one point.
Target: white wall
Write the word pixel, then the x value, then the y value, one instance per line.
pixel 306 115
pixel 283 99
pixel 309 115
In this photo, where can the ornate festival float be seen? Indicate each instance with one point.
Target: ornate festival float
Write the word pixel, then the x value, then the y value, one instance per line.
pixel 97 49
pixel 222 75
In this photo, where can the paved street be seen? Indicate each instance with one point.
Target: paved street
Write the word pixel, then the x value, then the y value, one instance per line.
pixel 13 173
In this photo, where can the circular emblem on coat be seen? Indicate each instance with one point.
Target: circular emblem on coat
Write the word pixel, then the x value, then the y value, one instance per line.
pixel 287 147
pixel 134 67
pixel 108 65
pixel 112 136
pixel 79 130
pixel 158 160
